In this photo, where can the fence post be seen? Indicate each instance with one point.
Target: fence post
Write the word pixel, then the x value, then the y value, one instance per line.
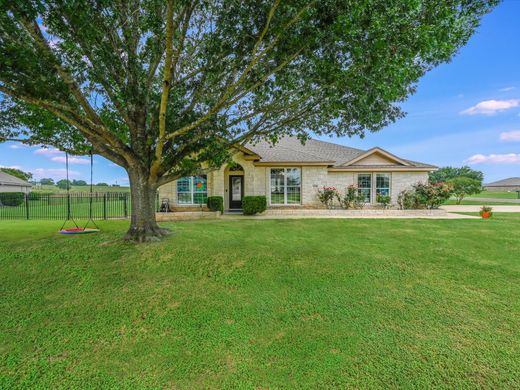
pixel 27 205
pixel 126 205
pixel 105 206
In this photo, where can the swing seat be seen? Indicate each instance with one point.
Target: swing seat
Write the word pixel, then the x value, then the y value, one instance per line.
pixel 78 231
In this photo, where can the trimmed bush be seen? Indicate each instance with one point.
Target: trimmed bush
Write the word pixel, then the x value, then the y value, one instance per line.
pixel 254 204
pixel 12 199
pixel 216 203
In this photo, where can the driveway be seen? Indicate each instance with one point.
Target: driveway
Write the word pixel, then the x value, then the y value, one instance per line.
pixel 476 208
pixel 484 200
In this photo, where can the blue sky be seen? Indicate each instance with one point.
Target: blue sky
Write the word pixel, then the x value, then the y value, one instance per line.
pixel 464 112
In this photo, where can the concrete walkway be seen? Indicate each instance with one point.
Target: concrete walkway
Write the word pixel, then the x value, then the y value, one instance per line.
pixel 487 200
pixel 318 216
pixel 476 208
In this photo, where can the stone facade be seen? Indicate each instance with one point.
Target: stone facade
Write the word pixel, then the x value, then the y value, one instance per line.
pixel 313 177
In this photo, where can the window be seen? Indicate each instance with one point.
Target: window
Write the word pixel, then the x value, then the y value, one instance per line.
pixel 285 186
pixel 382 184
pixel 365 186
pixel 192 190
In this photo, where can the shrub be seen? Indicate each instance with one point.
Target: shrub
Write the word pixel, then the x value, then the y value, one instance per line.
pixel 384 200
pixel 407 200
pixel 254 204
pixel 326 195
pixel 432 195
pixel 216 203
pixel 352 198
pixel 12 199
pixel 421 196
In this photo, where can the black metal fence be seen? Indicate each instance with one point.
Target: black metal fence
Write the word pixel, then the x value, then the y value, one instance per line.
pixel 77 205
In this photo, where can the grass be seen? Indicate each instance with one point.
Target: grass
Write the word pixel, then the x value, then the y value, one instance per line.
pixel 55 189
pixel 263 304
pixel 501 195
pixel 479 202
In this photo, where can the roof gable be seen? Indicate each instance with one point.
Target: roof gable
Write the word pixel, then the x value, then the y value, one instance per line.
pixel 6 179
pixel 376 156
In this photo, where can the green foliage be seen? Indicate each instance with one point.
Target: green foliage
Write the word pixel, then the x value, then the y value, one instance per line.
pixel 432 195
pixel 445 174
pixel 47 181
pixel 326 195
pixel 17 173
pixel 79 183
pixel 336 67
pixel 252 205
pixel 352 198
pixel 384 200
pixel 63 184
pixel 12 199
pixel 216 203
pixel 102 184
pixel 464 186
pixel 424 195
pixel 407 200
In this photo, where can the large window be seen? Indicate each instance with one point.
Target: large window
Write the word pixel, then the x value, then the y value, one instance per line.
pixel 382 184
pixel 285 186
pixel 192 190
pixel 365 186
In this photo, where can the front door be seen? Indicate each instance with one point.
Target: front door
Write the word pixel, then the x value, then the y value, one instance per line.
pixel 236 191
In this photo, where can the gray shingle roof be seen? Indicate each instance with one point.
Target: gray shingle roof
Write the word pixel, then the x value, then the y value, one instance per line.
pixel 6 179
pixel 510 181
pixel 290 149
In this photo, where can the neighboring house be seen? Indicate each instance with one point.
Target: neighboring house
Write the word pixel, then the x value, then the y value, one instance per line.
pixel 289 174
pixel 510 184
pixel 10 183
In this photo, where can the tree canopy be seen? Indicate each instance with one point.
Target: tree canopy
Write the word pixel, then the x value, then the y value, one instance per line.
pixel 166 88
pixel 445 174
pixel 464 186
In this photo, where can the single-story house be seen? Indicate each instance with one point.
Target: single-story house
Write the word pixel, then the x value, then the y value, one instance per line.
pixel 509 184
pixel 9 183
pixel 290 173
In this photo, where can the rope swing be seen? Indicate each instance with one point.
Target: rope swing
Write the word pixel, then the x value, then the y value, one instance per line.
pixel 85 229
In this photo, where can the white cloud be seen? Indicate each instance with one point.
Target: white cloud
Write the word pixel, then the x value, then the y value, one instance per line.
pixel 53 173
pixel 491 107
pixel 510 135
pixel 72 160
pixel 18 146
pixel 509 158
pixel 47 152
pixel 506 89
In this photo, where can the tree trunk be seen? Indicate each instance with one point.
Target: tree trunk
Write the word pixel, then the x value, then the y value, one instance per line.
pixel 143 226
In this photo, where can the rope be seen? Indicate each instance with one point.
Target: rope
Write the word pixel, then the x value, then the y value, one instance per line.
pixel 69 216
pixel 91 192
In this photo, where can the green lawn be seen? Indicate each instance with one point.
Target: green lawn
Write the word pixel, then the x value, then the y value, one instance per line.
pixel 479 202
pixel 263 304
pixel 502 195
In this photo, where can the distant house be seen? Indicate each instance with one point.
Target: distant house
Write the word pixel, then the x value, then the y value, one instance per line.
pixel 10 183
pixel 290 174
pixel 509 184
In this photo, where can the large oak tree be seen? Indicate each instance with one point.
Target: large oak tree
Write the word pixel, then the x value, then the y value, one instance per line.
pixel 165 88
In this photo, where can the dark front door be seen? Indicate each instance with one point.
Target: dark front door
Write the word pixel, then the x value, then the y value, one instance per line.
pixel 236 191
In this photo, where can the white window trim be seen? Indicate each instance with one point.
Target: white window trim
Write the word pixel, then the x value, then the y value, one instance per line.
pixel 389 183
pixel 191 192
pixel 284 186
pixel 373 184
